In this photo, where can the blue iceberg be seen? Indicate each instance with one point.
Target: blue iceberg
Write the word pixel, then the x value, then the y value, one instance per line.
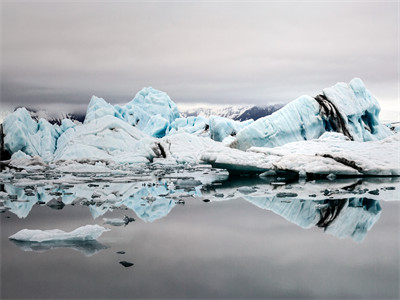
pixel 346 108
pixel 151 110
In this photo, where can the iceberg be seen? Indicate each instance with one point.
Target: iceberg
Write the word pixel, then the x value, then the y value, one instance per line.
pixel 346 108
pixel 298 120
pixel 151 110
pixel 188 148
pixel 331 154
pixel 193 125
pixel 220 127
pixel 307 136
pixel 84 233
pixel 358 109
pixel 24 134
pixel 107 138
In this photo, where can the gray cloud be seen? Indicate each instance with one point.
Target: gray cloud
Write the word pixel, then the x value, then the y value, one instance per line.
pixel 226 52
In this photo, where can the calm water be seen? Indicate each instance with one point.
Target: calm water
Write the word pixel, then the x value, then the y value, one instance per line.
pixel 252 246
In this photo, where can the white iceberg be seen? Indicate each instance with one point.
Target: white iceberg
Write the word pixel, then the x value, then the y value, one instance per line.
pixel 107 138
pixel 321 156
pixel 84 233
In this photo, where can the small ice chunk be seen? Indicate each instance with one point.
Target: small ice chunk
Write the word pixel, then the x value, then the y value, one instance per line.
pixel 84 233
pixel 331 176
pixel 278 183
pixel 302 174
pixel 114 221
pixel 118 222
pixel 246 190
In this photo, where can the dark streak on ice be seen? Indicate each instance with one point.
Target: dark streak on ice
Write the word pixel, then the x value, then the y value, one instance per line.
pixel 344 161
pixel 332 118
pixel 329 213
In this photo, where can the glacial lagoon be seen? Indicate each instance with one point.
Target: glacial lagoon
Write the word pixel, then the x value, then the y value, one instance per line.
pixel 195 233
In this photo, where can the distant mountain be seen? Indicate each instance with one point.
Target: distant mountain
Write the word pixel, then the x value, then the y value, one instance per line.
pixel 234 112
pixel 55 117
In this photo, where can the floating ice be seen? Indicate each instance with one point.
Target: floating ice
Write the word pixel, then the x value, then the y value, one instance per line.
pixel 188 148
pixel 107 138
pixel 359 110
pixel 220 127
pixel 118 222
pixel 193 125
pixel 298 120
pixel 148 129
pixel 151 111
pixel 322 156
pixel 346 108
pixel 114 221
pixel 23 133
pixel 84 233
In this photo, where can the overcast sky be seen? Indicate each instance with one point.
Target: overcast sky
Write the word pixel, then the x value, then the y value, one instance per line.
pixel 57 54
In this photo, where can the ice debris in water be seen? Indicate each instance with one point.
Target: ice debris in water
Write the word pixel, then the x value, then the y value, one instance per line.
pixel 118 222
pixel 84 233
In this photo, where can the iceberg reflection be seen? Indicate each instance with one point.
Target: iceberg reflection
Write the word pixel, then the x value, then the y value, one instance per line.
pixel 343 218
pixel 88 248
pixel 344 208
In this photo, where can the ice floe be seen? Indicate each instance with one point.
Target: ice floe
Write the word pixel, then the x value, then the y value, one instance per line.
pixel 84 233
pixel 330 154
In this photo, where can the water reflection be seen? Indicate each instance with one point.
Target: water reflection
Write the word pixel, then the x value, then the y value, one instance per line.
pixel 343 207
pixel 88 248
pixel 342 218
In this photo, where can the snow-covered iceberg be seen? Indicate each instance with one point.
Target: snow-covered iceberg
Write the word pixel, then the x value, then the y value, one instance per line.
pixel 84 233
pixel 332 153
